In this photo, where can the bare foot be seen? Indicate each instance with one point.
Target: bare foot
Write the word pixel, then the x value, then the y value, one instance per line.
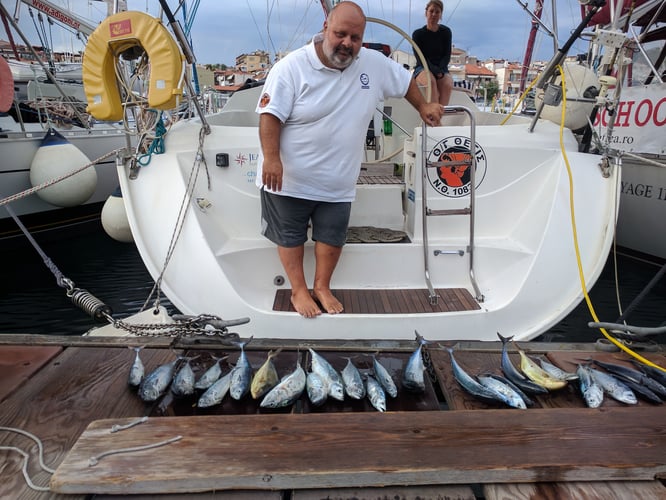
pixel 305 304
pixel 328 301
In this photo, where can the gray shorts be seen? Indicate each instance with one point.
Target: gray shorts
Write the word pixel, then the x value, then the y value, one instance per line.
pixel 284 220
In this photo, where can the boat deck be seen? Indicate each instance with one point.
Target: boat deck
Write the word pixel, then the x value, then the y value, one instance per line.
pixel 391 301
pixel 70 391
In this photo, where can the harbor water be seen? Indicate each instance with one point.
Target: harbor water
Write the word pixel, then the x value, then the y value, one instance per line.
pixel 32 302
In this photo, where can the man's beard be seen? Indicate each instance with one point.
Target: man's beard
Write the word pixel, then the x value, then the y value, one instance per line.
pixel 335 56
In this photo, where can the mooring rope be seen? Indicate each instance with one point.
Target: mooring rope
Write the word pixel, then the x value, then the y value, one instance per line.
pixel 26 457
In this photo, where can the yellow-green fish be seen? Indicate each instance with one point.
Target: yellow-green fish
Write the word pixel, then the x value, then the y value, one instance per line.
pixel 266 376
pixel 537 374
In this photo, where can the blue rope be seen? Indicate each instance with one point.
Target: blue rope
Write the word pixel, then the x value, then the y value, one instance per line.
pixel 156 147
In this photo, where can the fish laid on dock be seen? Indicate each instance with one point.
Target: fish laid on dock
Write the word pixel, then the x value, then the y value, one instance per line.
pixel 157 381
pixel 375 392
pixel 469 383
pixel 512 373
pixel 384 378
pixel 241 375
pixel 266 377
pixel 210 376
pixel 288 390
pixel 537 374
pixel 614 387
pixel 216 392
pixel 137 369
pixel 510 396
pixel 353 381
pixel 183 382
pixel 592 392
pixel 412 376
pixel 316 389
pixel 328 374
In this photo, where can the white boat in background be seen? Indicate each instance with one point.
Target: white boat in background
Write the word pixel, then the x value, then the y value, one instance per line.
pixel 483 208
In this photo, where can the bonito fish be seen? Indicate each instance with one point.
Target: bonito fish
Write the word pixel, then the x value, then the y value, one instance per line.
pixel 316 389
pixel 412 377
pixel 470 384
pixel 537 374
pixel 556 371
pixel 241 375
pixel 210 376
pixel 375 393
pixel 137 369
pixel 592 392
pixel 216 392
pixel 504 391
pixel 384 378
pixel 329 375
pixel 353 381
pixel 634 375
pixel 512 373
pixel 183 382
pixel 157 381
pixel 613 387
pixel 266 377
pixel 288 390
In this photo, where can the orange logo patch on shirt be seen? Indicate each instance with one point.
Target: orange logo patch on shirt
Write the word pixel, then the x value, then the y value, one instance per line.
pixel 265 99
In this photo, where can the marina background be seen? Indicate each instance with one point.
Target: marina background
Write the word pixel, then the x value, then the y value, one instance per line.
pixel 32 302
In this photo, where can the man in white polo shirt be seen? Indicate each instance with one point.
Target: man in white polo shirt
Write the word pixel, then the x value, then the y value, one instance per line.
pixel 315 109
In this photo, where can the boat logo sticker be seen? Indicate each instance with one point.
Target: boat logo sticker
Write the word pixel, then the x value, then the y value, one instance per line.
pixel 120 28
pixel 452 177
pixel 265 99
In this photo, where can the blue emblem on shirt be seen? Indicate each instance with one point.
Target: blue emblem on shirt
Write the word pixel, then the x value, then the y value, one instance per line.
pixel 365 81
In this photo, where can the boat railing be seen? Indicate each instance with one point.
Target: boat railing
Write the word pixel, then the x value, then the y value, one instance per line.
pixel 470 161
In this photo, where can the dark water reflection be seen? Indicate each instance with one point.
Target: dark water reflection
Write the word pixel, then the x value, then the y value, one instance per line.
pixel 31 301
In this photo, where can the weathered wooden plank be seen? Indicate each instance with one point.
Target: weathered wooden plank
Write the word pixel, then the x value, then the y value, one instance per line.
pixel 369 450
pixel 597 490
pixel 18 363
pixel 57 403
pixel 437 492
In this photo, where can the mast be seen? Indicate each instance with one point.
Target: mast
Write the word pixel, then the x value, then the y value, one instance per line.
pixel 527 60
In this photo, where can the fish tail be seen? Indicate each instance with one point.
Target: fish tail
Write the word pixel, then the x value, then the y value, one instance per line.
pixel 504 339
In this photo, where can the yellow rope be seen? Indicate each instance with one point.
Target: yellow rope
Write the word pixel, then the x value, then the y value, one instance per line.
pixel 612 339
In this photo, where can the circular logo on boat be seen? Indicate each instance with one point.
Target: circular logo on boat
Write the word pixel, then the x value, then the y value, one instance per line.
pixel 452 176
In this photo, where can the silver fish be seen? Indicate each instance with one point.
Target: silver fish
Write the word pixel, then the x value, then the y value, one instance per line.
pixel 316 389
pixel 384 378
pixel 412 377
pixel 183 382
pixel 137 369
pixel 470 384
pixel 615 388
pixel 157 381
pixel 556 371
pixel 505 391
pixel 592 392
pixel 352 380
pixel 210 376
pixel 375 393
pixel 216 392
pixel 329 375
pixel 288 390
pixel 241 375
pixel 512 373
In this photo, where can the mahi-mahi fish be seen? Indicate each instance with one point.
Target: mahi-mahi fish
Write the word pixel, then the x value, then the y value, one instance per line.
pixel 137 369
pixel 266 377
pixel 537 374
pixel 288 390
pixel 157 381
pixel 412 377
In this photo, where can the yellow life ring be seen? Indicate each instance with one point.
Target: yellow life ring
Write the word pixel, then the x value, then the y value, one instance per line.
pixel 115 35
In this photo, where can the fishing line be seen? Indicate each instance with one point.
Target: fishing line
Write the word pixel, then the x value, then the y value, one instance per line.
pixel 588 301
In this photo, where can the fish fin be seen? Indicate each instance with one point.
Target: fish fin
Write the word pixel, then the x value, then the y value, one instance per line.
pixel 504 339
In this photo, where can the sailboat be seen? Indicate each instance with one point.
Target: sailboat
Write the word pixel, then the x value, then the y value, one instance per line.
pixel 485 223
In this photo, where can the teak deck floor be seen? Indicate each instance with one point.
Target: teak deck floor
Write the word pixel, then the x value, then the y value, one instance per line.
pixel 391 301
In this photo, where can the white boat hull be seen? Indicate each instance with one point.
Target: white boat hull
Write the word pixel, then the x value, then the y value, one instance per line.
pixel 525 262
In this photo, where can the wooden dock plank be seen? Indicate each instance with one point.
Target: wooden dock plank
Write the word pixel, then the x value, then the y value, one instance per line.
pixel 437 492
pixel 19 363
pixel 369 450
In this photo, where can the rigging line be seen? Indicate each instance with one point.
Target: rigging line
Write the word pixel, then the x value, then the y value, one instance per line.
pixel 254 20
pixel 269 13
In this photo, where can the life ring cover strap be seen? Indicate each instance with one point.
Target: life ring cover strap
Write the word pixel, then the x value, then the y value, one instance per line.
pixel 116 34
